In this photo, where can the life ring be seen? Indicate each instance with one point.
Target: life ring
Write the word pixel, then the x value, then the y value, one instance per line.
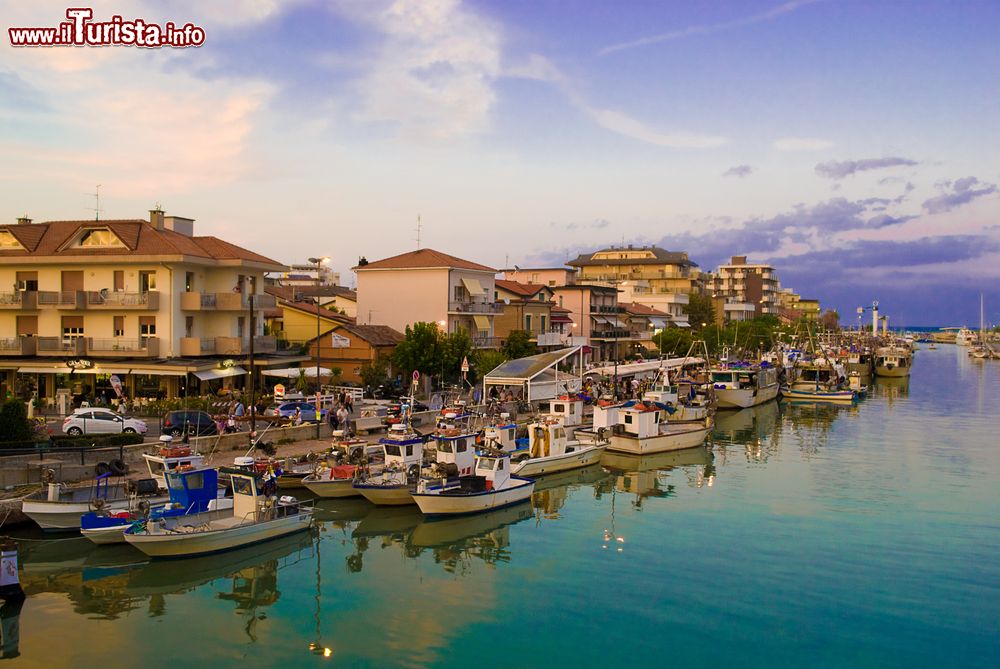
pixel 118 467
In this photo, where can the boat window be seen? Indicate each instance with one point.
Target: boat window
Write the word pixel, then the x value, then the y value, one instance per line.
pixel 156 468
pixel 445 446
pixel 460 446
pixel 500 465
pixel 391 450
pixel 558 408
pixel 510 433
pixel 560 433
pixel 628 418
pixel 572 409
pixel 196 481
pixel 409 449
pixel 175 482
pixel 722 376
pixel 242 485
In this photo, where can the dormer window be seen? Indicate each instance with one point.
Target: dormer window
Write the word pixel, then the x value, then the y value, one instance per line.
pixel 9 241
pixel 99 238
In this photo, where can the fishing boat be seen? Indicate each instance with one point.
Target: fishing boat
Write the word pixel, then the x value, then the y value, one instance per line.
pixel 257 515
pixel 501 434
pixel 740 385
pixel 644 427
pixel 819 380
pixel 335 478
pixel 403 458
pixel 191 491
pixel 861 361
pixel 691 399
pixel 965 337
pixel 168 457
pixel 59 508
pixel 550 451
pixel 893 361
pixel 491 487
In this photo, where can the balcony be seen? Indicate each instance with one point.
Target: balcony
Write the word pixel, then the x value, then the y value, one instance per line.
pixel 550 339
pixel 197 346
pixel 149 300
pixel 62 299
pixel 474 308
pixel 191 301
pixel 59 346
pixel 18 346
pixel 610 334
pixel 487 342
pixel 144 347
pixel 21 300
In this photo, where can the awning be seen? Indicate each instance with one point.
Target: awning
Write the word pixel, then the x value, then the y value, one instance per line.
pixel 473 286
pixel 482 322
pixel 559 318
pixel 293 372
pixel 43 370
pixel 600 319
pixel 614 321
pixel 658 323
pixel 682 324
pixel 212 374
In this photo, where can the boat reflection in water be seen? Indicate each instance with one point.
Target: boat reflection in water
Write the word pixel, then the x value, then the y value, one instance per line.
pixel 749 429
pixel 551 492
pixel 891 387
pixel 651 475
pixel 808 425
pixel 108 581
pixel 452 542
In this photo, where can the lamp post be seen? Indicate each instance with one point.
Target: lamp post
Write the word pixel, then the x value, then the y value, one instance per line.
pixel 319 266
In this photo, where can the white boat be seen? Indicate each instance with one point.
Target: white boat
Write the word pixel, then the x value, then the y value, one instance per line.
pixel 169 457
pixel 819 379
pixel 691 399
pixel 257 515
pixel 549 451
pixel 336 479
pixel 392 483
pixel 57 507
pixel 893 361
pixel 965 337
pixel 491 487
pixel 644 427
pixel 738 386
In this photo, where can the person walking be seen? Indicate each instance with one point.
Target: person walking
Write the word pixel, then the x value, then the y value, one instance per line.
pixel 343 418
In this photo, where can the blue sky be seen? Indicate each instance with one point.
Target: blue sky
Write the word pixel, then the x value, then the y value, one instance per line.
pixel 851 144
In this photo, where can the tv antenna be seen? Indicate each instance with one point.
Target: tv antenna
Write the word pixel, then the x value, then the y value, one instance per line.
pixel 418 231
pixel 97 203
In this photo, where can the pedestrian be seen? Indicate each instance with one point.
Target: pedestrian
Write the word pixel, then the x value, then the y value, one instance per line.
pixel 343 418
pixel 348 403
pixel 297 417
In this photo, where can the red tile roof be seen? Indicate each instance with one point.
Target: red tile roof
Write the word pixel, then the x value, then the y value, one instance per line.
pixel 637 309
pixel 518 288
pixel 424 258
pixel 289 297
pixel 55 238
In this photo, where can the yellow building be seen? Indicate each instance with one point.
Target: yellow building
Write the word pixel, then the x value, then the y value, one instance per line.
pixel 348 346
pixel 526 307
pixel 146 301
pixel 296 320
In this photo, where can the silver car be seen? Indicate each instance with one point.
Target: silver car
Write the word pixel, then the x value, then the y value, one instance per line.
pixel 101 421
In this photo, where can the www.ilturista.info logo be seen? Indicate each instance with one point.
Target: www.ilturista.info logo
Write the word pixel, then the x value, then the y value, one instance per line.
pixel 80 30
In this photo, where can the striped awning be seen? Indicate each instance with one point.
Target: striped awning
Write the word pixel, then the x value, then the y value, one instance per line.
pixel 473 286
pixel 482 322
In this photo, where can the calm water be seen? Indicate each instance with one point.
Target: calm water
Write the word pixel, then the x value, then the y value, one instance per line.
pixel 814 536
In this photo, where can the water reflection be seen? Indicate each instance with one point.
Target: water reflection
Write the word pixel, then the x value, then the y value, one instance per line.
pixel 651 475
pixel 551 492
pixel 809 424
pixel 890 388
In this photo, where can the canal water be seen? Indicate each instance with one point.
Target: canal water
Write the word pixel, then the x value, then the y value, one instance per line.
pixel 804 536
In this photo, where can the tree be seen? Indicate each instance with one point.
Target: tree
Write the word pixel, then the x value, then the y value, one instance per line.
pixel 14 424
pixel 830 320
pixel 699 309
pixel 673 341
pixel 455 347
pixel 519 345
pixel 302 382
pixel 420 350
pixel 374 373
pixel 485 360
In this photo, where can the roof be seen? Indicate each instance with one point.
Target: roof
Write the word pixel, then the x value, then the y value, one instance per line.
pixel 660 257
pixel 525 369
pixel 328 291
pixel 637 309
pixel 139 238
pixel 375 335
pixel 585 286
pixel 518 288
pixel 423 259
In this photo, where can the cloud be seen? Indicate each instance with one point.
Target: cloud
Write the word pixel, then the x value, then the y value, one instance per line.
pixel 740 171
pixel 956 194
pixel 802 144
pixel 629 127
pixel 708 29
pixel 596 224
pixel 839 170
pixel 432 74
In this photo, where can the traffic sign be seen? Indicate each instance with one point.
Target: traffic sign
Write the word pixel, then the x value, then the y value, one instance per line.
pixel 416 375
pixel 465 364
pixel 279 391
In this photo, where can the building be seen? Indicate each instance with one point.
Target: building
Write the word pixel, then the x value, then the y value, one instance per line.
pixel 149 302
pixel 334 298
pixel 743 283
pixel 348 347
pixel 808 308
pixel 643 322
pixel 595 320
pixel 296 319
pixel 546 276
pixel 527 307
pixel 429 286
pixel 648 275
pixel 306 275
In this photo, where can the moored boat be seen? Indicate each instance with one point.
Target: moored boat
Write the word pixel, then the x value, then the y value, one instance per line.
pixel 549 451
pixel 893 361
pixel 742 385
pixel 491 487
pixel 57 507
pixel 643 427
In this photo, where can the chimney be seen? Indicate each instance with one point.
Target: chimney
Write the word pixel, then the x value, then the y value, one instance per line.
pixel 156 218
pixel 738 260
pixel 179 224
pixel 23 220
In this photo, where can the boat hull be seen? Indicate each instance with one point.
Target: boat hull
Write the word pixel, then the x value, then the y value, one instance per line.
pixel 113 534
pixel 581 457
pixel 892 372
pixel 214 541
pixel 744 398
pixel 65 516
pixel 386 495
pixel 436 504
pixel 331 488
pixel 843 396
pixel 676 438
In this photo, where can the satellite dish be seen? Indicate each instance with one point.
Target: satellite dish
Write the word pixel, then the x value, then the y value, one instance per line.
pixel 506 300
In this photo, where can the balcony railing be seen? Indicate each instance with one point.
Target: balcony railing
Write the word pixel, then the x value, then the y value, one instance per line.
pixel 66 299
pixel 61 345
pixel 475 307
pixel 487 342
pixel 610 334
pixel 21 299
pixel 192 301
pixel 18 345
pixel 142 347
pixel 122 300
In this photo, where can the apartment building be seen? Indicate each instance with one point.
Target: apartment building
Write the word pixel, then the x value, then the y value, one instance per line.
pixel 429 286
pixel 648 275
pixel 747 284
pixel 596 320
pixel 148 302
pixel 527 307
pixel 546 276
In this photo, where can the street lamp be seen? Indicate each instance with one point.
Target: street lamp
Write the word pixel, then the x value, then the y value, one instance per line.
pixel 319 267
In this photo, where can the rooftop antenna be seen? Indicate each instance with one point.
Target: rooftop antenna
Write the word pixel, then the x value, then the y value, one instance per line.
pixel 97 202
pixel 418 232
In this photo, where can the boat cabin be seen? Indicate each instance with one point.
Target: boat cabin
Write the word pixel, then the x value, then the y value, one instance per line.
pixel 254 499
pixel 637 419
pixel 458 450
pixel 502 435
pixel 545 438
pixel 495 469
pixel 402 448
pixel 568 408
pixel 892 357
pixel 170 457
pixel 193 490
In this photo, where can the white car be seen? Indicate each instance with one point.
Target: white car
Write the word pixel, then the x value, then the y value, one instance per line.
pixel 101 421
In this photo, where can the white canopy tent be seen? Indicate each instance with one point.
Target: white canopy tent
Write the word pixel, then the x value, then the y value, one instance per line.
pixel 294 372
pixel 538 376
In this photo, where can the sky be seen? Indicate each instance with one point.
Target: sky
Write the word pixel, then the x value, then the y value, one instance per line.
pixel 853 145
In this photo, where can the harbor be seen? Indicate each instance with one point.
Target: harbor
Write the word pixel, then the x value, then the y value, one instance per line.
pixel 864 529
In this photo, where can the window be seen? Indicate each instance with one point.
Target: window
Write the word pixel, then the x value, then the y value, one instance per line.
pixel 72 328
pixel 444 447
pixel 147 281
pixel 240 325
pixel 27 326
pixel 542 317
pixel 527 322
pixel 119 280
pixel 460 446
pixel 552 282
pixel 147 327
pixel 9 241
pixel 242 485
pixel 119 326
pixel 409 450
pixel 461 294
pixel 628 419
pixel 188 281
pixel 27 281
pixel 188 326
pixel 99 238
pixel 391 450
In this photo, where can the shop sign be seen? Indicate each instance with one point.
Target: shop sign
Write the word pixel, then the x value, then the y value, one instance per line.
pixel 79 363
pixel 228 363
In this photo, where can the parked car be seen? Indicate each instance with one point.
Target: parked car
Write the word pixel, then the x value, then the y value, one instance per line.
pixel 394 410
pixel 287 410
pixel 199 423
pixel 100 421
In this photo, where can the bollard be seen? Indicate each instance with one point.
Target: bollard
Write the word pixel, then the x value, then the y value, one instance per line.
pixel 10 583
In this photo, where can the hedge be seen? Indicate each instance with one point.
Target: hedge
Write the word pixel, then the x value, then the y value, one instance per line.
pixel 63 441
